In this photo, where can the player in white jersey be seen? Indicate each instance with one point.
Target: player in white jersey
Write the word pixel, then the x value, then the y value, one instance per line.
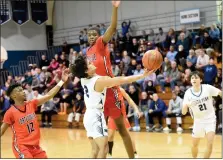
pixel 198 99
pixel 95 88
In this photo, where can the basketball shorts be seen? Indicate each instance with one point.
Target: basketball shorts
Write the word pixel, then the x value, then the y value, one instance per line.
pixel 112 125
pixel 26 151
pixel 201 129
pixel 94 123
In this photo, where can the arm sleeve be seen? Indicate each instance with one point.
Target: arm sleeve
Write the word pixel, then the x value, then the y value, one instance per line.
pixel 8 118
pixel 100 44
pixel 34 103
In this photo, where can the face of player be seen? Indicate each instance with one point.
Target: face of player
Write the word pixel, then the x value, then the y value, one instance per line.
pixel 92 36
pixel 195 80
pixel 18 94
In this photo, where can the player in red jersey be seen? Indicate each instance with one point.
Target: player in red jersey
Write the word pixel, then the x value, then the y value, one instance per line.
pixel 98 54
pixel 23 121
pixel 112 127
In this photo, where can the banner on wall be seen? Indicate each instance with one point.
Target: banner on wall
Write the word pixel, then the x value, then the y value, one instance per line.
pixel 190 16
pixel 5 11
pixel 20 12
pixel 39 11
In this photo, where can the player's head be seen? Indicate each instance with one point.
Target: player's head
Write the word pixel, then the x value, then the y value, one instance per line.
pixel 16 93
pixel 82 68
pixel 93 34
pixel 196 78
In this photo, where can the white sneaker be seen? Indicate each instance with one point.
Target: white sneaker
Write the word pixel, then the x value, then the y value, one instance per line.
pixel 167 129
pixel 147 128
pixel 136 128
pixel 109 155
pixel 136 156
pixel 179 129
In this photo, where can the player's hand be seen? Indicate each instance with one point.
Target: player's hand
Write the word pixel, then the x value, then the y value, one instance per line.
pixel 65 75
pixel 116 3
pixel 168 112
pixel 138 113
pixel 147 72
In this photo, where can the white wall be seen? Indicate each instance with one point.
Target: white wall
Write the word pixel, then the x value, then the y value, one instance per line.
pixel 70 16
pixel 29 36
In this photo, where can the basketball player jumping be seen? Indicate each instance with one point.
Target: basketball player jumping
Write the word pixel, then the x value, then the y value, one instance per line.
pixel 198 99
pixel 112 127
pixel 95 92
pixel 23 121
pixel 98 53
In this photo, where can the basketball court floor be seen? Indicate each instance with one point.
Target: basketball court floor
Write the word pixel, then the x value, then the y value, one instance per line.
pixel 72 143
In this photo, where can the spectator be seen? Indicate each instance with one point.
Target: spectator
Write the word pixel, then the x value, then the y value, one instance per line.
pixel 81 40
pixel 64 61
pixel 185 80
pixel 157 109
pixel 102 29
pixel 53 65
pixel 71 53
pixel 115 69
pixel 179 92
pixel 160 38
pixel 152 78
pixel 126 60
pixel 172 77
pixel 78 109
pixel 218 79
pixel 118 58
pixel 133 93
pixel 84 49
pixel 121 42
pixel 151 36
pixel 214 33
pixel 139 71
pixel 44 61
pixel 144 36
pixel 171 54
pixel 174 110
pixel 210 72
pixel 66 98
pixel 128 42
pixel 57 58
pixel 150 88
pixel 199 38
pixel 182 40
pixel 85 35
pixel 125 27
pixel 202 60
pixel 48 109
pixel 132 68
pixel 192 57
pixel 144 104
pixel 28 78
pixel 73 57
pixel 206 43
pixel 164 68
pixel 134 49
pixel 4 101
pixel 140 54
pixel 171 38
pixel 186 32
pixel 29 92
pixel 189 65
pixel 181 56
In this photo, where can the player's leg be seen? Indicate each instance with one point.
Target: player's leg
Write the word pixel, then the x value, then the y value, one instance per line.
pixel 111 134
pixel 38 153
pixel 120 124
pixel 194 148
pixel 21 152
pixel 210 138
pixel 102 143
pixel 94 148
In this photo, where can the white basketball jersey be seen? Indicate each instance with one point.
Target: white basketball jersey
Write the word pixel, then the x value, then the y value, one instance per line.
pixel 92 99
pixel 201 103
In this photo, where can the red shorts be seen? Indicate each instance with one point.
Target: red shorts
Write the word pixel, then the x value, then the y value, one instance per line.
pixel 25 151
pixel 112 125
pixel 110 108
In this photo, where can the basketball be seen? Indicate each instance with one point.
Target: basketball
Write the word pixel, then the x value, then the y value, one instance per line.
pixel 152 60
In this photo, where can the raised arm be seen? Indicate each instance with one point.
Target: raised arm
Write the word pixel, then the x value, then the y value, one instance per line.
pixel 55 89
pixel 112 28
pixel 108 82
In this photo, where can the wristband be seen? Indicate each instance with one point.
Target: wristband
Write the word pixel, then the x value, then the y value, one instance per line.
pixel 60 84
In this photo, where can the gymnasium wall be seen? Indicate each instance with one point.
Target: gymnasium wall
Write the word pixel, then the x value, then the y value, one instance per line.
pixel 29 36
pixel 78 13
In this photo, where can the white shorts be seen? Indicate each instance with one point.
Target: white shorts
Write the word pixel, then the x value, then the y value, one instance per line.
pixel 201 129
pixel 94 123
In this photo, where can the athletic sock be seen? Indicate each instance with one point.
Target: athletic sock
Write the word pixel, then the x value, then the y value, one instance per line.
pixel 110 146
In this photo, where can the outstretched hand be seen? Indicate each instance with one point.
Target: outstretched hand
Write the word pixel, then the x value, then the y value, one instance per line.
pixel 116 3
pixel 147 72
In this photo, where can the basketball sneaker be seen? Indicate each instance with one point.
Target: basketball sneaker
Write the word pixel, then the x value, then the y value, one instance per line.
pixel 109 155
pixel 167 129
pixel 179 129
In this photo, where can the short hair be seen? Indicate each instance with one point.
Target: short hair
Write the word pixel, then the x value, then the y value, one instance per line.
pixel 80 67
pixel 197 73
pixel 94 29
pixel 11 88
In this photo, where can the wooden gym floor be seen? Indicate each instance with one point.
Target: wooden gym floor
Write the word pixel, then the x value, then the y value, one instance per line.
pixel 72 143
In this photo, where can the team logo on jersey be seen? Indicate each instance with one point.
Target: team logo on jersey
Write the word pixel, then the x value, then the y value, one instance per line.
pixel 27 118
pixel 91 57
pixel 199 101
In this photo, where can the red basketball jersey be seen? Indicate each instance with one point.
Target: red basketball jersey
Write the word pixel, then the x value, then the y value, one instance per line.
pixel 24 124
pixel 99 55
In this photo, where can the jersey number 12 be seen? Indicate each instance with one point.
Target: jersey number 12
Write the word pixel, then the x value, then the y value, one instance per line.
pixel 202 107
